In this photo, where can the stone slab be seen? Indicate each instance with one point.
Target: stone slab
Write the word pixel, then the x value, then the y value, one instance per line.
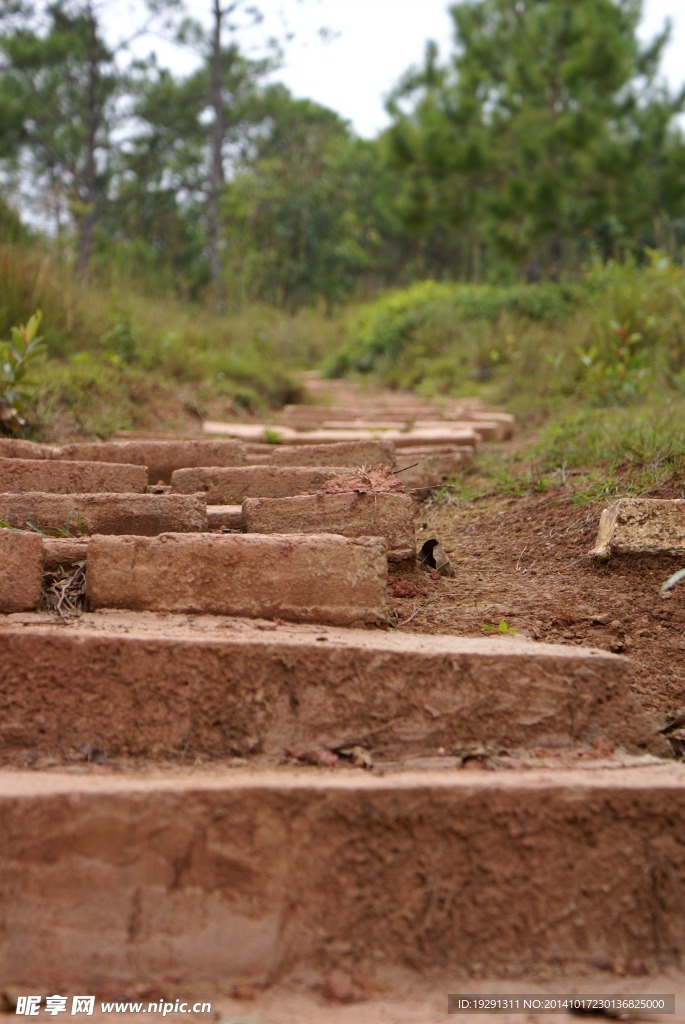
pixel 55 476
pixel 78 514
pixel 390 516
pixel 160 457
pixel 257 432
pixel 648 526
pixel 21 570
pixel 16 448
pixel 155 685
pixel 507 421
pixel 200 880
pixel 338 453
pixel 487 430
pixel 225 517
pixel 319 578
pixel 231 486
pixel 421 470
pixel 64 552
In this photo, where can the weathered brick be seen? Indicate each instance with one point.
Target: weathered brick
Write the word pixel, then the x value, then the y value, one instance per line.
pixel 225 517
pixel 15 448
pixel 230 486
pixel 143 514
pixel 428 467
pixel 208 878
pixel 642 526
pixel 160 457
pixel 337 453
pixel 55 476
pixel 171 683
pixel 307 579
pixel 64 552
pixel 349 514
pixel 21 570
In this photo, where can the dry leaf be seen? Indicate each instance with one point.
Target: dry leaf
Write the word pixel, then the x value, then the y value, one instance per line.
pixel 319 756
pixel 359 757
pixel 91 753
pixel 433 556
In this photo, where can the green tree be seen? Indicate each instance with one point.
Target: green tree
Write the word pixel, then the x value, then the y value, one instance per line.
pixel 546 130
pixel 168 193
pixel 62 103
pixel 304 221
pixel 58 88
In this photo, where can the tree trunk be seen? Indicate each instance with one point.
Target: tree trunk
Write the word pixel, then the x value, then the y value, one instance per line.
pixel 90 199
pixel 216 171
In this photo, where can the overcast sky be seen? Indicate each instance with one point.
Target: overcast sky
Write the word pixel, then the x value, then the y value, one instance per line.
pixel 375 41
pixel 380 39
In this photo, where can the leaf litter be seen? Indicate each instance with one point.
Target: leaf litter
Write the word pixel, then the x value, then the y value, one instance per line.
pixel 64 591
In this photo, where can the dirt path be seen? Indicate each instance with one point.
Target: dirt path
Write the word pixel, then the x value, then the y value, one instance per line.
pixel 339 886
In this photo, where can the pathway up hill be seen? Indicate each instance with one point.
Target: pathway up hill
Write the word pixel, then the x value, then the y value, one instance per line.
pixel 280 765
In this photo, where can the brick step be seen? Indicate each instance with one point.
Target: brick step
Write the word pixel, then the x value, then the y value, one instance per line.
pixel 350 514
pixel 333 453
pixel 400 438
pixel 230 486
pixel 488 430
pixel 317 578
pixel 144 684
pixel 78 514
pixel 161 457
pixel 355 997
pixel 199 879
pixel 424 467
pixel 66 477
pixel 393 406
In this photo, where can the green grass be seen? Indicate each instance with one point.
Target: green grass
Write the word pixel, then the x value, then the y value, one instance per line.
pixel 111 353
pixel 616 335
pixel 595 366
pixel 585 455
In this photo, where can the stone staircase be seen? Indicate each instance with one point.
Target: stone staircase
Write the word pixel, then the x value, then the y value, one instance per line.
pixel 216 782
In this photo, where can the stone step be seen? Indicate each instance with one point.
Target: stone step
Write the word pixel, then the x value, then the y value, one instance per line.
pixel 425 467
pixel 160 457
pixel 225 517
pixel 642 526
pixel 149 684
pixel 200 879
pixel 64 552
pixel 487 430
pixel 319 413
pixel 387 515
pixel 65 477
pixel 21 570
pixel 256 432
pixel 141 514
pixel 231 486
pixel 335 453
pixel 15 448
pixel 317 578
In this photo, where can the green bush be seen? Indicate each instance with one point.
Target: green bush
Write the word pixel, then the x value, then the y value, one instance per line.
pixel 106 347
pixel 419 333
pixel 616 335
pixel 17 355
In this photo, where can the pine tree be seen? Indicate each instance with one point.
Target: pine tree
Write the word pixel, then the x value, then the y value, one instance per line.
pixel 547 127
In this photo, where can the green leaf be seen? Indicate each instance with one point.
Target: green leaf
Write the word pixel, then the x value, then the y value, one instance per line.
pixel 672 580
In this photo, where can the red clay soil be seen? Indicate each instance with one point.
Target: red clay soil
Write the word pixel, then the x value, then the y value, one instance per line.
pixel 525 561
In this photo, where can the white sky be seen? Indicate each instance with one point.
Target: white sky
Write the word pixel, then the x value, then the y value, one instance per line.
pixel 376 41
pixel 380 39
